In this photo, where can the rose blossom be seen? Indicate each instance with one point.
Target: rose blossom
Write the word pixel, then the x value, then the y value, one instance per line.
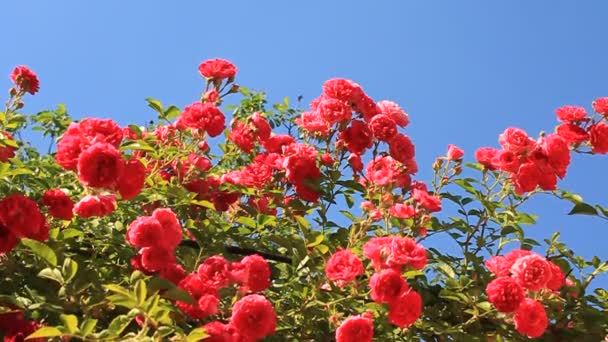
pixel 355 328
pixel 505 294
pixel 253 316
pixel 343 267
pixel 217 69
pixel 531 318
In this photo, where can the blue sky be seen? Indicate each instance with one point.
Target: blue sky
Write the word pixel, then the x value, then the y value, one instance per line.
pixel 464 70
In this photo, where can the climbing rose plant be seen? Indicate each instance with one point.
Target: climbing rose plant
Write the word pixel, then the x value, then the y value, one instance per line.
pixel 281 224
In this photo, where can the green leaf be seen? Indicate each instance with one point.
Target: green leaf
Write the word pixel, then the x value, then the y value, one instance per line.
pixel 45 332
pixel 69 269
pixel 196 335
pixel 51 273
pixel 42 250
pixel 69 233
pixel 70 322
pixel 117 289
pixel 318 239
pixel 155 104
pixel 88 326
pixel 178 294
pixel 172 112
pixel 136 130
pixel 119 324
pixel 140 292
pixel 247 221
pixel 583 209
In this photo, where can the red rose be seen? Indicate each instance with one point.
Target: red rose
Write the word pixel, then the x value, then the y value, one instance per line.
pixel 485 156
pixel 532 272
pixel 382 170
pixel 208 304
pixel 383 127
pixel 252 273
pixel 220 332
pixel 204 117
pixel 262 127
pixel 354 160
pixel 406 252
pixel 217 69
pixel 99 206
pixel 6 152
pixel 572 133
pixel 531 318
pixel 357 137
pixel 378 249
pixel 8 240
pixel 132 179
pixel 403 211
pixel 506 161
pixel 342 89
pixel 558 154
pixel 21 216
pixel 25 79
pixel 100 166
pixel 68 150
pixel 215 272
pixel 275 143
pixel 355 329
pixel 570 113
pixel 387 286
pixel 515 140
pixel 505 294
pixel 92 130
pixel 558 278
pixel 154 258
pixel 254 317
pixel 334 111
pixel 427 201
pixel 211 96
pixel 343 267
pixel 454 152
pixel 367 107
pixel 598 137
pixel 60 205
pixel 527 179
pixel 242 136
pixel 145 231
pixel 600 105
pixel 393 111
pixel 401 148
pixel 312 122
pixel 173 272
pixel 405 309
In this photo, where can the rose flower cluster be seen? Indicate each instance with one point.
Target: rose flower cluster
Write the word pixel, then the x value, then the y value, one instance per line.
pixel 519 274
pixel 389 256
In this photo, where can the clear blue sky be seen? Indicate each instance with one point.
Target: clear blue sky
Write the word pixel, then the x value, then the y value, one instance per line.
pixel 464 70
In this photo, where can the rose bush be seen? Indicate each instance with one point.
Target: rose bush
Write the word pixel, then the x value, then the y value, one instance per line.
pixel 246 226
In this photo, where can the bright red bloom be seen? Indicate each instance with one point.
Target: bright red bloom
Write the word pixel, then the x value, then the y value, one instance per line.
pixel 154 258
pixel 572 134
pixel 275 143
pixel 343 267
pixel 516 140
pixel 570 113
pixel 204 117
pixel 485 156
pixel 382 170
pixel 405 309
pixel 427 201
pixel 93 130
pixel 600 105
pixel 401 148
pixel 354 160
pixel 378 250
pixel 367 107
pixel 201 163
pixel 334 111
pixel 558 154
pixel 262 127
pixel 6 152
pixel 208 304
pixel 342 89
pixel 100 166
pixel 25 79
pixel 242 136
pixel 99 206
pixel 21 216
pixel 527 179
pixel 8 240
pixel 505 294
pixel 173 272
pixel 355 329
pixel 16 328
pixel 132 179
pixel 60 205
pixel 598 137
pixel 406 252
pixel 533 272
pixel 217 69
pixel 252 273
pixel 215 272
pixel 357 137
pixel 387 286
pixel 401 210
pixel 454 152
pixel 558 278
pixel 506 161
pixel 393 111
pixel 312 122
pixel 253 316
pixel 383 127
pixel 220 332
pixel 531 318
